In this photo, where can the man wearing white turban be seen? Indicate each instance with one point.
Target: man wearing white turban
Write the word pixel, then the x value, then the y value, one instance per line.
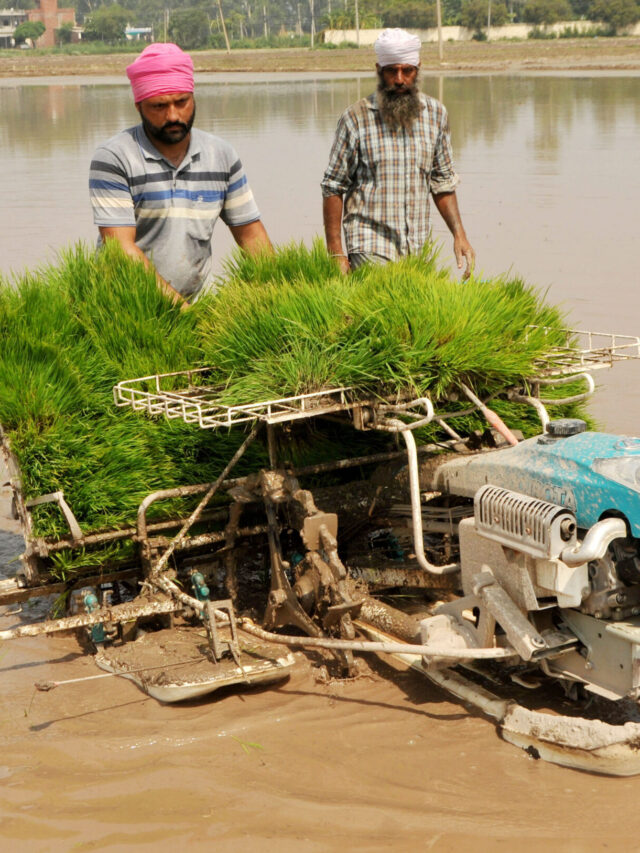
pixel 391 152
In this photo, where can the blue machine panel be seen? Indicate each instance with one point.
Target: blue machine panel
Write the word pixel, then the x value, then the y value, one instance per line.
pixel 591 473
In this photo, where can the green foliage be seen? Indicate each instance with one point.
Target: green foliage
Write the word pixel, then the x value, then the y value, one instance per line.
pixel 279 324
pixel 290 324
pixel 575 33
pixel 63 33
pixel 580 8
pixel 546 11
pixel 616 13
pixel 475 14
pixel 542 33
pixel 67 335
pixel 28 30
pixel 189 28
pixel 410 13
pixel 106 24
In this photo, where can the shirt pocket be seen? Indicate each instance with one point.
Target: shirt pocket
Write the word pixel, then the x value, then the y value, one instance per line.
pixel 202 213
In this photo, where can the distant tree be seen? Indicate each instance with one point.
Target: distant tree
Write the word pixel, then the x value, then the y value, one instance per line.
pixel 451 12
pixel 616 13
pixel 106 24
pixel 28 30
pixel 189 28
pixel 63 33
pixel 546 11
pixel 23 4
pixel 410 13
pixel 475 14
pixel 580 7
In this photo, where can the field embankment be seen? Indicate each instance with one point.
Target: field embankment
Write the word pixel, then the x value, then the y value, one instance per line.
pixel 586 54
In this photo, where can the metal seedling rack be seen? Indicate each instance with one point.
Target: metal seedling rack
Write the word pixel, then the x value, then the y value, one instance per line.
pixel 586 351
pixel 193 396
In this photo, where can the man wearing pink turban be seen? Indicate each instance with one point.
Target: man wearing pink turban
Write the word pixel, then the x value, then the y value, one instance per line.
pixel 391 153
pixel 159 188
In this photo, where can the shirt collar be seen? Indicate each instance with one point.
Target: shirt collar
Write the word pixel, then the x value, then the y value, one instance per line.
pixel 150 152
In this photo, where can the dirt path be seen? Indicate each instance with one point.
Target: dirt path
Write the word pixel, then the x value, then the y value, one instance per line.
pixel 620 54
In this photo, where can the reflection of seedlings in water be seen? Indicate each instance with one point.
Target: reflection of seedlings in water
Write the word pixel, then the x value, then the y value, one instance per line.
pixel 246 745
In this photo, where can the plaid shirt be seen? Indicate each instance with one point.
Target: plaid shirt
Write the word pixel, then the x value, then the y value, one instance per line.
pixel 386 175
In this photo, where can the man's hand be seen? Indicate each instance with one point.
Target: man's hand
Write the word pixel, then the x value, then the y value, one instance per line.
pixel 463 249
pixel 447 205
pixel 126 236
pixel 342 261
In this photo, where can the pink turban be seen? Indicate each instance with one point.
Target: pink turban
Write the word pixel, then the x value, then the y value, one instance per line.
pixel 161 69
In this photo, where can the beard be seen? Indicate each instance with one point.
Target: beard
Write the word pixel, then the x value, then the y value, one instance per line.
pixel 398 107
pixel 170 133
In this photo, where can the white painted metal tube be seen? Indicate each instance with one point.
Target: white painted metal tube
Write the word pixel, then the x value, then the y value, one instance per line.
pixel 563 401
pixel 595 543
pixel 537 405
pixel 386 647
pixel 416 507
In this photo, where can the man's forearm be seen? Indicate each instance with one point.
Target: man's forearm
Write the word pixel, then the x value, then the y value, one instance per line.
pixel 447 204
pixel 125 236
pixel 252 238
pixel 332 216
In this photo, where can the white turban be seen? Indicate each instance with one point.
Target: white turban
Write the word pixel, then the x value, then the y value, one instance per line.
pixel 397 47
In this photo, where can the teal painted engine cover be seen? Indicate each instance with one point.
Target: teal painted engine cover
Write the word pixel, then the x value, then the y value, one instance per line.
pixel 592 473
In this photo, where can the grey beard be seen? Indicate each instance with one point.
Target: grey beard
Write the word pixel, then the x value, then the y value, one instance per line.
pixel 399 109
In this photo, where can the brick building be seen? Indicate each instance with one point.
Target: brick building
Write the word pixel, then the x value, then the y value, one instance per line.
pixel 52 17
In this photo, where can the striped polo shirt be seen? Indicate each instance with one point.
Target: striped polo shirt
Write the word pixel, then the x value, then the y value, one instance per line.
pixel 173 208
pixel 386 176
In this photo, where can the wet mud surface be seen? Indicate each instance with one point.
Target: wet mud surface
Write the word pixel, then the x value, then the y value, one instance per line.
pixel 382 762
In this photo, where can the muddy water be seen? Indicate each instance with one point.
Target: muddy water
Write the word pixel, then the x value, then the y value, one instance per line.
pixel 551 174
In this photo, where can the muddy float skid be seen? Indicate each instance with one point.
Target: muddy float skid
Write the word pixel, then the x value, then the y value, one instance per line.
pixel 524 556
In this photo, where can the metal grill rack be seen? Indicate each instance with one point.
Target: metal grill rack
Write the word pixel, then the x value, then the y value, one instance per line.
pixel 189 396
pixel 586 351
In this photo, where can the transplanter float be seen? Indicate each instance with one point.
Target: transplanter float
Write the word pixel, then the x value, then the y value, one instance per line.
pixel 525 553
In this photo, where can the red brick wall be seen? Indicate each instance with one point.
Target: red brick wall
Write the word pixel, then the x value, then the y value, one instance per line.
pixel 51 17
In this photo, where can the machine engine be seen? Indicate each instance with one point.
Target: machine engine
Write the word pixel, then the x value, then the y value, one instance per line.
pixel 550 563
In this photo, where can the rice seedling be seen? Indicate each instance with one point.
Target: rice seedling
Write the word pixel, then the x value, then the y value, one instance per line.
pixel 278 325
pixel 406 327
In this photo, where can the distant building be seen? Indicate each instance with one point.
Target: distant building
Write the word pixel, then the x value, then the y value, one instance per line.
pixel 9 20
pixel 46 11
pixel 139 33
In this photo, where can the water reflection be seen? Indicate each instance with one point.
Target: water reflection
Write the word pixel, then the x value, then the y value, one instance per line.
pixel 481 108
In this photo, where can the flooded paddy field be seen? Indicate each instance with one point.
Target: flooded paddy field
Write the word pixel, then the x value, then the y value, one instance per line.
pixel 550 171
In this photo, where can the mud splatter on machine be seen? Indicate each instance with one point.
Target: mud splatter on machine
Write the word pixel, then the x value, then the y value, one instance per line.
pixel 526 555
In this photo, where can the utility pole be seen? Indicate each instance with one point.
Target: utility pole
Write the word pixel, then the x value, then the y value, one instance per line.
pixel 489 21
pixel 265 24
pixel 357 24
pixel 313 21
pixel 439 21
pixel 224 27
